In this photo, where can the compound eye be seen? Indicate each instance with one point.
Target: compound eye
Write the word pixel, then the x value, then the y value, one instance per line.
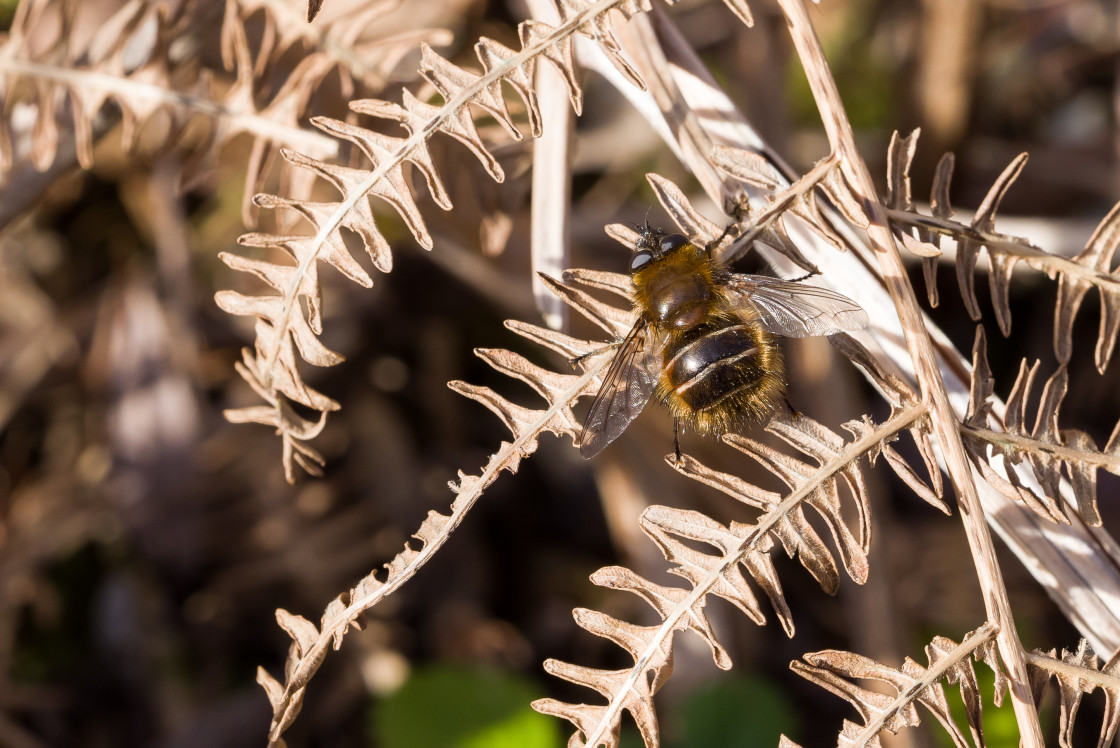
pixel 673 241
pixel 639 259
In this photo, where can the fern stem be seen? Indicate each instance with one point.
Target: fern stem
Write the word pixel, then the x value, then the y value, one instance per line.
pixel 1057 667
pixel 466 500
pixel 1014 246
pixel 920 347
pixel 1111 463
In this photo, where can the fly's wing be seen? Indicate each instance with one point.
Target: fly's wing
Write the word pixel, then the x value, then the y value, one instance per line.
pixel 796 310
pixel 629 382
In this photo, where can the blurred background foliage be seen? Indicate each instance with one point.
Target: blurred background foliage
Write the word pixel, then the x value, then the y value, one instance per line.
pixel 145 542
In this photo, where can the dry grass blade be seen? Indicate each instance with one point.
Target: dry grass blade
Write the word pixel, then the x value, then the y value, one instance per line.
pixel 549 244
pixel 913 684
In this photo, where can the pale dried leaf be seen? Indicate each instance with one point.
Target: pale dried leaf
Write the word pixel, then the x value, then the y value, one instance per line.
pixel 900 154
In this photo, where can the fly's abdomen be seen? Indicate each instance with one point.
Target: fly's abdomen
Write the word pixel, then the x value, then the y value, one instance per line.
pixel 717 376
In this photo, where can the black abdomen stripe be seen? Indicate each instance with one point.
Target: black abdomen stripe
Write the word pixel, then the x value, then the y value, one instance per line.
pixel 714 365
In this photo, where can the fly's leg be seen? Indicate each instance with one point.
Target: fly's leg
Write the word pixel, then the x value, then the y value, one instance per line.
pixel 792 410
pixel 676 440
pixel 738 209
pixel 726 232
pixel 577 360
pixel 800 278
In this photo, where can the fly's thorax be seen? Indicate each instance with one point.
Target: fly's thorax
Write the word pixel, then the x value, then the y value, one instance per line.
pixel 679 290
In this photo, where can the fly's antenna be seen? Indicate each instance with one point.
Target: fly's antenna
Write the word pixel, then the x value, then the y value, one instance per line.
pixel 641 235
pixel 649 232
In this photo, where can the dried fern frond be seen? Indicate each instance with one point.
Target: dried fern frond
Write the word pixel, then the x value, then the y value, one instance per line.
pixel 914 684
pixel 1092 268
pixel 1078 673
pixel 560 392
pixel 739 546
pixel 271 367
pixel 1047 449
pixel 814 485
pixel 739 551
pixel 129 63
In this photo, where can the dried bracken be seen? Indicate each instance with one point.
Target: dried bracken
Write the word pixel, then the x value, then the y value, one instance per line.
pixel 1079 673
pixel 740 547
pixel 346 40
pixel 1092 268
pixel 1046 448
pixel 821 463
pixel 740 551
pixel 130 62
pixel 913 684
pixel 560 391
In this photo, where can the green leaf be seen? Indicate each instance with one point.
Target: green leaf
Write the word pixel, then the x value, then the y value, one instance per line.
pixel 453 707
pixel 736 712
